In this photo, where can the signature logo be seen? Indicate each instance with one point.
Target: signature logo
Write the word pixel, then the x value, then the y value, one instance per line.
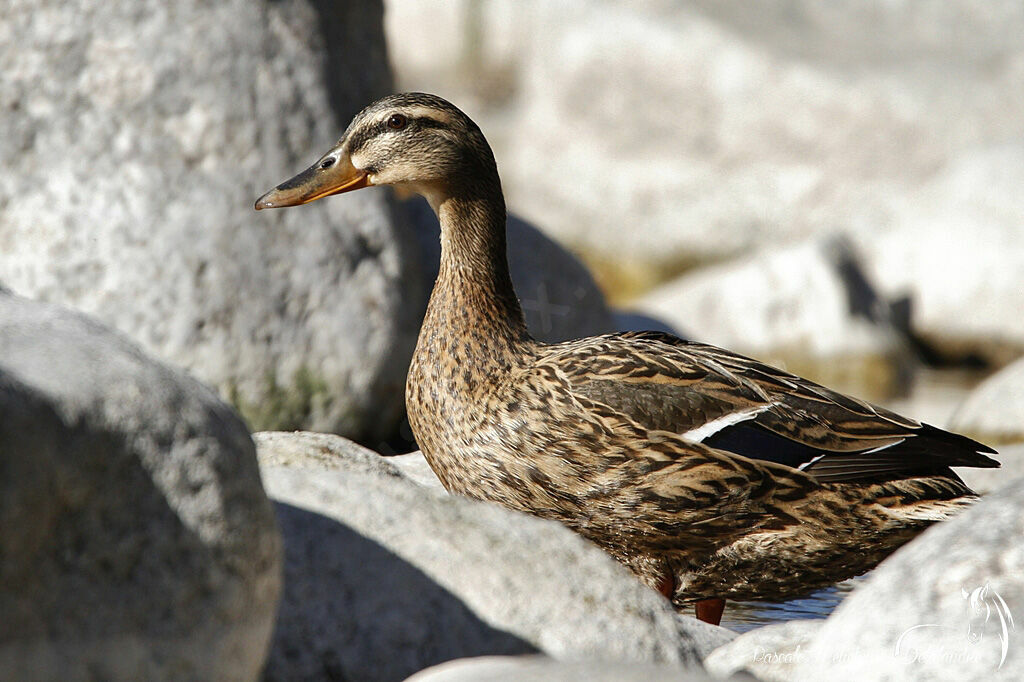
pixel 987 615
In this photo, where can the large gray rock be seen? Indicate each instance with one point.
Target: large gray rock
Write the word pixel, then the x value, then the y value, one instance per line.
pixel 384 577
pixel 770 652
pixel 413 466
pixel 543 669
pixel 559 297
pixel 137 540
pixel 320 451
pixel 953 248
pixel 808 307
pixel 939 609
pixel 994 413
pixel 995 409
pixel 135 141
pixel 759 130
pixel 775 120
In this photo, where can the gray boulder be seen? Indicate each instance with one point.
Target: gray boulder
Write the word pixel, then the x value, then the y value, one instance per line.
pixel 953 248
pixel 544 669
pixel 414 467
pixel 138 542
pixel 136 143
pixel 776 121
pixel 994 414
pixel 843 334
pixel 944 607
pixel 994 411
pixel 384 577
pixel 320 452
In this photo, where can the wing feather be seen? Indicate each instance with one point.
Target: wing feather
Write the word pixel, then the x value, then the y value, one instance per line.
pixel 739 405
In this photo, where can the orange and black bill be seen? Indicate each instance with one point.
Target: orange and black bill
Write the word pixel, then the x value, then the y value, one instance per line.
pixel 317 181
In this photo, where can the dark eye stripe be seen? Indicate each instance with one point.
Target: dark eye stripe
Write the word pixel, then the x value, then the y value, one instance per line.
pixel 361 137
pixel 426 122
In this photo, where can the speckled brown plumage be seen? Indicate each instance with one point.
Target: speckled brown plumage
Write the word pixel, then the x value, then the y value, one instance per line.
pixel 734 478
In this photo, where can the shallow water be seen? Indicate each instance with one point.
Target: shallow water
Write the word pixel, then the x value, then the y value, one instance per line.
pixel 743 616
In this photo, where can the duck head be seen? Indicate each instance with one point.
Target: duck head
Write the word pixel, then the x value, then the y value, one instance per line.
pixel 415 141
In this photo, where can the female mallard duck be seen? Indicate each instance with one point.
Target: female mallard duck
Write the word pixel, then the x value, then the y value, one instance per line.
pixel 709 474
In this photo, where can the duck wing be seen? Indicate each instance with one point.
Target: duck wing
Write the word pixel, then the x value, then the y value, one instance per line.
pixel 735 404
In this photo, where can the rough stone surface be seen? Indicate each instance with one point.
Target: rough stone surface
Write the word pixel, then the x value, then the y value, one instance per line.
pixel 319 451
pixel 797 297
pixel 938 609
pixel 808 307
pixel 994 411
pixel 137 540
pixel 560 299
pixel 384 577
pixel 770 652
pixel 543 669
pixel 137 135
pixel 414 466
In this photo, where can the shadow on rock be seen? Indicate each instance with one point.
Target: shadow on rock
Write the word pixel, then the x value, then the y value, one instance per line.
pixel 352 610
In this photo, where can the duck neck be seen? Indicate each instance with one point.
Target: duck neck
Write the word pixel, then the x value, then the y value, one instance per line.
pixel 473 296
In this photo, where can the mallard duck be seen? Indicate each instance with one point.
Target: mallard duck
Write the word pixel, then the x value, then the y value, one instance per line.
pixel 709 474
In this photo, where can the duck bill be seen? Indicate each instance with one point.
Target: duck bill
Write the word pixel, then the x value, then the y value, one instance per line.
pixel 315 183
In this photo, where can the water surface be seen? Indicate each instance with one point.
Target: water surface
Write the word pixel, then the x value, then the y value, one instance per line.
pixel 743 616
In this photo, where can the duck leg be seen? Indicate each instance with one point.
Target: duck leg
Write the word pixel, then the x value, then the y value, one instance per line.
pixel 710 610
pixel 666 585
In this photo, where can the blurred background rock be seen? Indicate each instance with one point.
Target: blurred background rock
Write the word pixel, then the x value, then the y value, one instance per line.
pixel 830 186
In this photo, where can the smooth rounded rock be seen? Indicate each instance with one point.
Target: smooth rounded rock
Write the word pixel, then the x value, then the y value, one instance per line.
pixel 413 466
pixel 953 249
pixel 384 577
pixel 137 540
pixel 938 609
pixel 994 411
pixel 319 451
pixel 808 307
pixel 543 669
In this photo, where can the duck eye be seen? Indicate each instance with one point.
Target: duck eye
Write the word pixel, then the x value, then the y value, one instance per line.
pixel 397 121
pixel 327 163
